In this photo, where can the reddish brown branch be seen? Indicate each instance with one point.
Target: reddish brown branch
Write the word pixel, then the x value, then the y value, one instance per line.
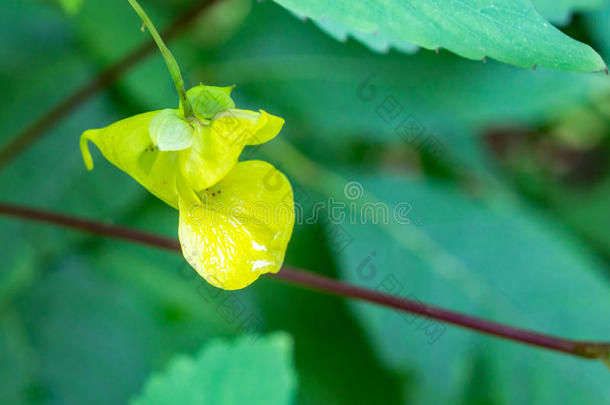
pixel 317 282
pixel 94 227
pixel 35 130
pixel 334 287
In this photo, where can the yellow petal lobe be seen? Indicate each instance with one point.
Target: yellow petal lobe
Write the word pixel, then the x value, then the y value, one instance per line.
pixel 239 228
pixel 127 144
pixel 246 127
pixel 209 159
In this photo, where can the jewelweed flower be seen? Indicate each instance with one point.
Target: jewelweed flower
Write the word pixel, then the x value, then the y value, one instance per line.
pixel 160 147
pixel 234 224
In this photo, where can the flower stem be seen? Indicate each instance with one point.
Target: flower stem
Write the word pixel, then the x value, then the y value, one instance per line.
pixel 309 280
pixel 172 65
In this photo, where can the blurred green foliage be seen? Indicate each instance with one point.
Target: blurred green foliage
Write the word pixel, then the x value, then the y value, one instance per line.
pixel 516 208
pixel 250 370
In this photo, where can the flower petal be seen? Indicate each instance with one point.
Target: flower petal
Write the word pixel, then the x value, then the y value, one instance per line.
pixel 128 145
pixel 268 127
pixel 209 159
pixel 216 148
pixel 169 132
pixel 240 227
pixel 253 127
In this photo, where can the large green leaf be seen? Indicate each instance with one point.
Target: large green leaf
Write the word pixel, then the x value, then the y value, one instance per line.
pixel 241 372
pixel 495 260
pixel 510 31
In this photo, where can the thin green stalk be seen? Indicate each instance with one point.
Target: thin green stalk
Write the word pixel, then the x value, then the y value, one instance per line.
pixel 172 65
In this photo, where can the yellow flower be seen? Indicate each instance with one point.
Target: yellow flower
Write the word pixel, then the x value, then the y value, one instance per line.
pixel 240 227
pixel 234 223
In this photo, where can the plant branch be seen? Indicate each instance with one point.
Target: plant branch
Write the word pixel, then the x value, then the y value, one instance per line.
pixel 309 280
pixel 30 134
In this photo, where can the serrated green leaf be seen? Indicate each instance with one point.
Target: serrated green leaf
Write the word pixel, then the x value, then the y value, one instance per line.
pixel 249 372
pixel 558 12
pixel 374 41
pixel 510 31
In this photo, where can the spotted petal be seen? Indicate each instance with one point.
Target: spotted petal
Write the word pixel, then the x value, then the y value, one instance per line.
pixel 239 228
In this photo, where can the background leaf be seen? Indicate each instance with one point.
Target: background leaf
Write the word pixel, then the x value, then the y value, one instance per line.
pixel 498 261
pixel 245 371
pixel 598 23
pixel 71 6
